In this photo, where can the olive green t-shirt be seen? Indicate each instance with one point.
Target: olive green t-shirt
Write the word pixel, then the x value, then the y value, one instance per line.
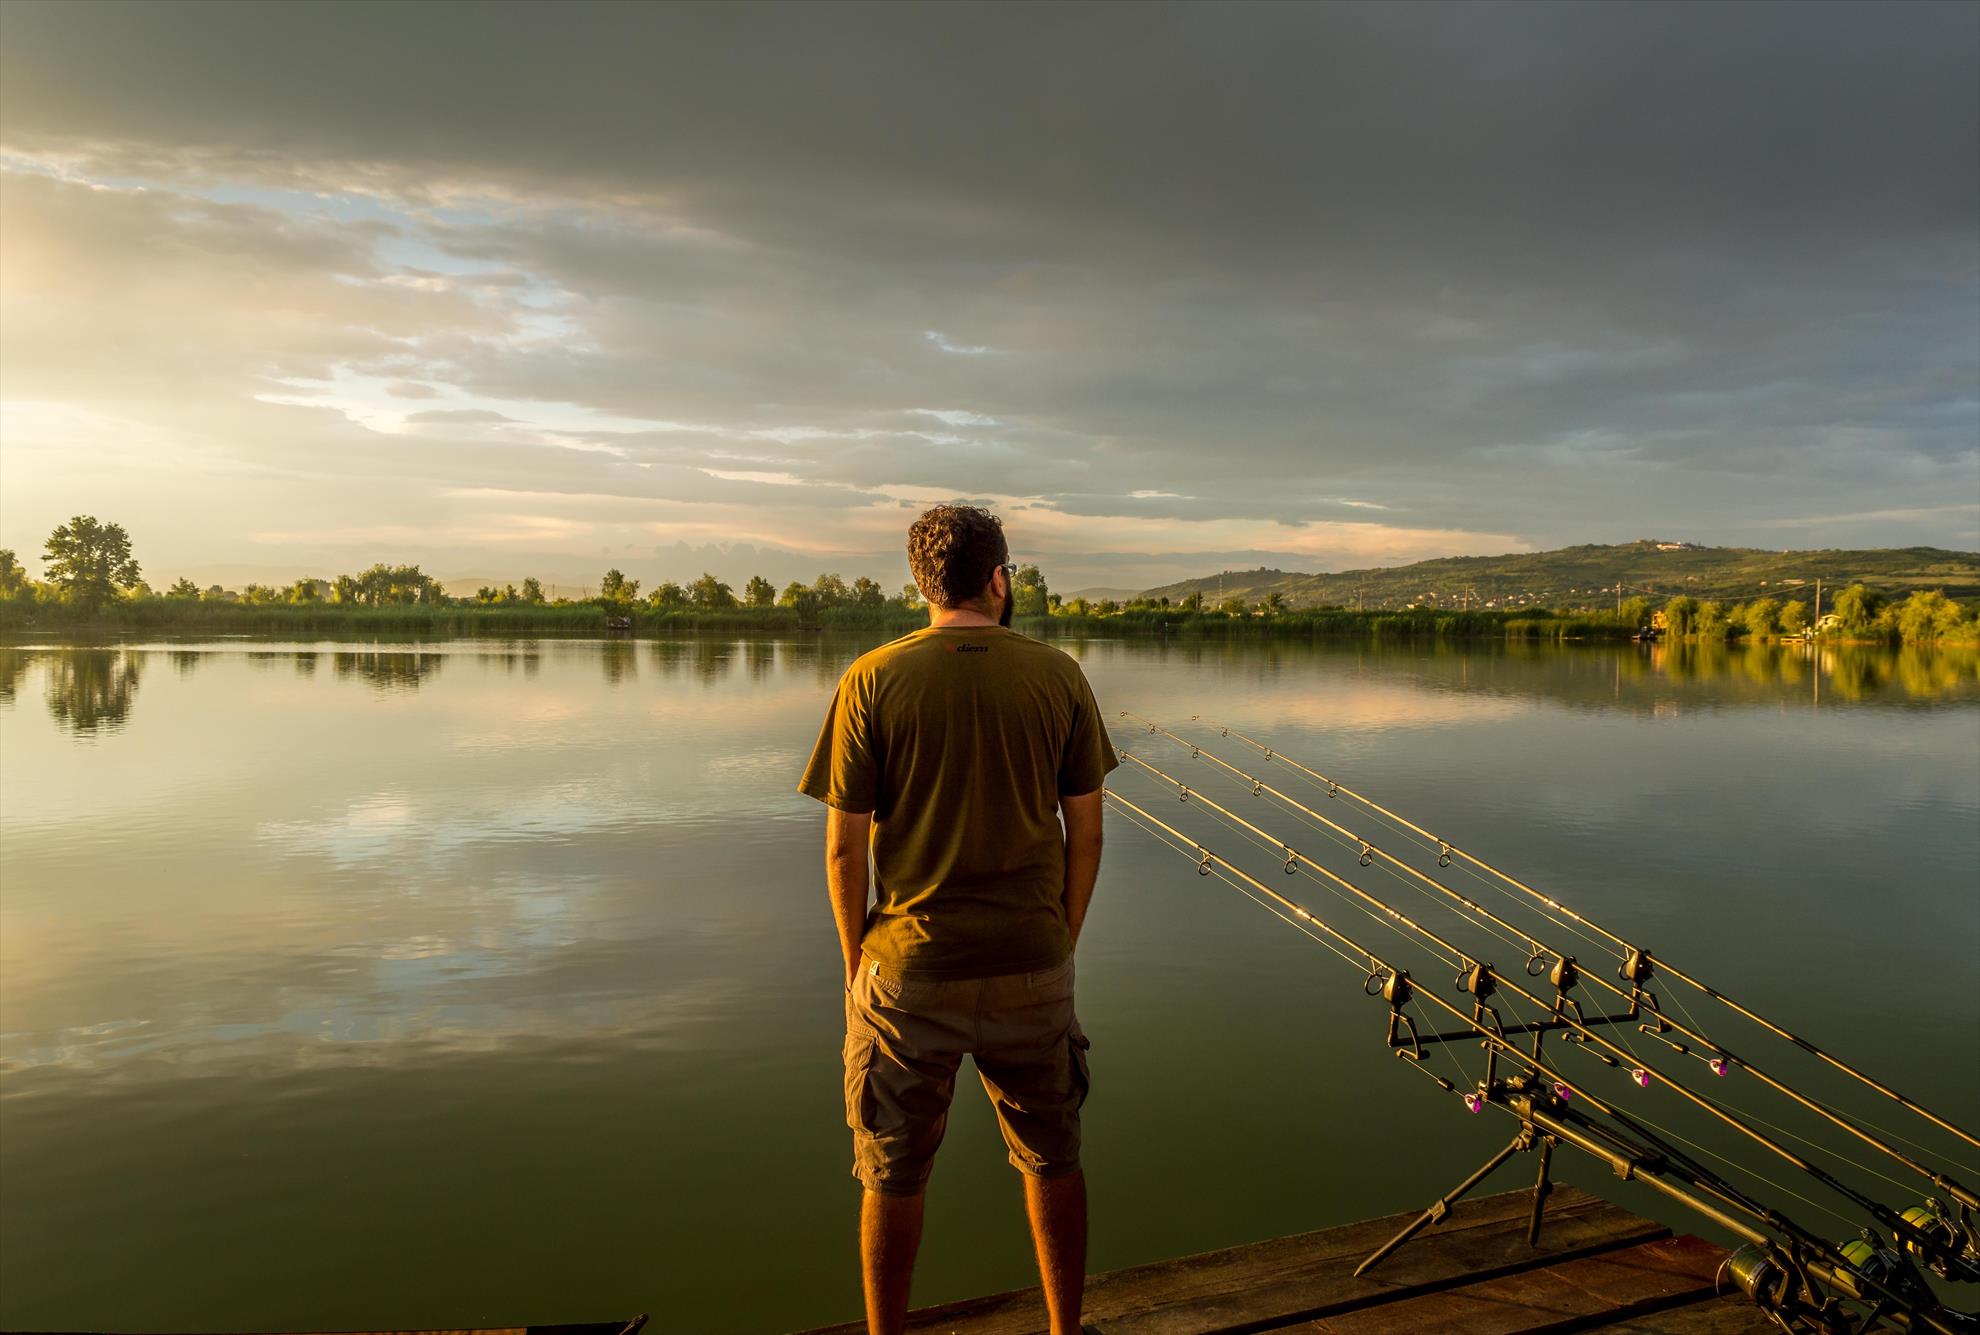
pixel 961 740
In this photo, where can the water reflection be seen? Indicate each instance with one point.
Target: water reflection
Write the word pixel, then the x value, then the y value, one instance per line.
pixel 13 662
pixel 90 690
pixel 347 940
pixel 93 689
pixel 617 658
pixel 389 671
pixel 1834 672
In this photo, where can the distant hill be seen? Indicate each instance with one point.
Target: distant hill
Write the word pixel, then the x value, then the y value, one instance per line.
pixel 1098 592
pixel 1587 577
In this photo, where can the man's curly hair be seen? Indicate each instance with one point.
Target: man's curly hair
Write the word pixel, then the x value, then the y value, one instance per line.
pixel 952 550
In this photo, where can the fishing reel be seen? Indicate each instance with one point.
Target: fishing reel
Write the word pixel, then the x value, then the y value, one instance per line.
pixel 1886 1266
pixel 1776 1285
pixel 1949 1249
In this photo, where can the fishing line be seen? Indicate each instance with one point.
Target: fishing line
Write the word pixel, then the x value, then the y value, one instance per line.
pixel 1838 1216
pixel 1588 1035
pixel 1334 786
pixel 1725 1191
pixel 1369 851
pixel 1723 1059
pixel 1384 920
pixel 1627 1157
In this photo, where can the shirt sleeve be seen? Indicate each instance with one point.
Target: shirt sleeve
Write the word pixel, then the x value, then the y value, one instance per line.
pixel 844 770
pixel 1089 753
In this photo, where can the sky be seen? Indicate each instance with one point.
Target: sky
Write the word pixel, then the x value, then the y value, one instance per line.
pixel 541 289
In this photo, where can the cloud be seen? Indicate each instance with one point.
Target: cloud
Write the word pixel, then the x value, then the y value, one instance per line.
pixel 462 416
pixel 957 349
pixel 1513 270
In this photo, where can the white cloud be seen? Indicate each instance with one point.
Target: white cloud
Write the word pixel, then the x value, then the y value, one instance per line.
pixel 958 349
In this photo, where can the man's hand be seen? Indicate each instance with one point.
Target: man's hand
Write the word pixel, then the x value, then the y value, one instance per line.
pixel 847 837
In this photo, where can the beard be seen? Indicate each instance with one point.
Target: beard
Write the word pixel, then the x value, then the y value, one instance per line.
pixel 1010 608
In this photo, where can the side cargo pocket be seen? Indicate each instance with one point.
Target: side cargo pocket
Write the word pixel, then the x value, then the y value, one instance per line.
pixel 859 1081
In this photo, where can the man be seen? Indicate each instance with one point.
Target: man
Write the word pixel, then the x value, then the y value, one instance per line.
pixel 953 751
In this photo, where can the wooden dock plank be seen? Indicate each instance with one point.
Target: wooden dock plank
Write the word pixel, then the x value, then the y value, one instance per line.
pixel 1255 1297
pixel 1721 1316
pixel 1650 1277
pixel 1282 1281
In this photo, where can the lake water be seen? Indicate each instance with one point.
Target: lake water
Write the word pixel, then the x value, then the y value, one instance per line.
pixel 442 984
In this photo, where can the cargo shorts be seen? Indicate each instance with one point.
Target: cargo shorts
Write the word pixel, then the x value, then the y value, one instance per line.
pixel 905 1039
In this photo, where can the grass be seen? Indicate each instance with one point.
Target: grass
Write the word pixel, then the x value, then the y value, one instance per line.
pixel 181 616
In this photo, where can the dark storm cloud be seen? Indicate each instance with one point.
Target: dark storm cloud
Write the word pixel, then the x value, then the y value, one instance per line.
pixel 1538 269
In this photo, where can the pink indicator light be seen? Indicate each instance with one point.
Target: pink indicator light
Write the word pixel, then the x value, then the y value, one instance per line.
pixel 1718 1065
pixel 1640 1076
pixel 1474 1101
pixel 1561 1093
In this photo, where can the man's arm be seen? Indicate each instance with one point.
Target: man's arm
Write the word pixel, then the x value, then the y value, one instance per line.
pixel 846 839
pixel 1082 817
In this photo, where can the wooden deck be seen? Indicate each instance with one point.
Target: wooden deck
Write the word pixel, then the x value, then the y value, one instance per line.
pixel 1598 1268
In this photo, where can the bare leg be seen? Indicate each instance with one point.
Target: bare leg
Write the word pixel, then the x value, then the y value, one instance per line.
pixel 1057 1206
pixel 889 1237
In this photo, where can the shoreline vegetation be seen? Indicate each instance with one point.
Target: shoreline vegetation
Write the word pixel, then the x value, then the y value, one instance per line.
pixel 91 584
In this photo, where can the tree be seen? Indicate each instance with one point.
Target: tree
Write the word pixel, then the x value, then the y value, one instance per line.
pixel 1930 615
pixel 1275 603
pixel 260 595
pixel 1232 606
pixel 383 584
pixel 305 591
pixel 866 593
pixel 346 589
pixel 910 595
pixel 793 593
pixel 616 588
pixel 709 593
pixel 532 590
pixel 1636 612
pixel 1681 616
pixel 831 590
pixel 1762 618
pixel 1106 607
pixel 13 578
pixel 1711 622
pixel 759 592
pixel 488 593
pixel 1193 600
pixel 184 591
pixel 668 596
pixel 1856 609
pixel 1794 617
pixel 1030 595
pixel 89 561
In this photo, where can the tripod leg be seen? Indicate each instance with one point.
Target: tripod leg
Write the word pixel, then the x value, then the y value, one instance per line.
pixel 1541 1187
pixel 1443 1204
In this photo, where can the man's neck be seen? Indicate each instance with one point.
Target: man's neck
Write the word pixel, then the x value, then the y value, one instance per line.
pixel 958 616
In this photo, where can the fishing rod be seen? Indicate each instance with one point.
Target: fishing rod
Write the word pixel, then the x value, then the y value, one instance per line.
pixel 1448 851
pixel 1784 1277
pixel 1720 1063
pixel 1481 981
